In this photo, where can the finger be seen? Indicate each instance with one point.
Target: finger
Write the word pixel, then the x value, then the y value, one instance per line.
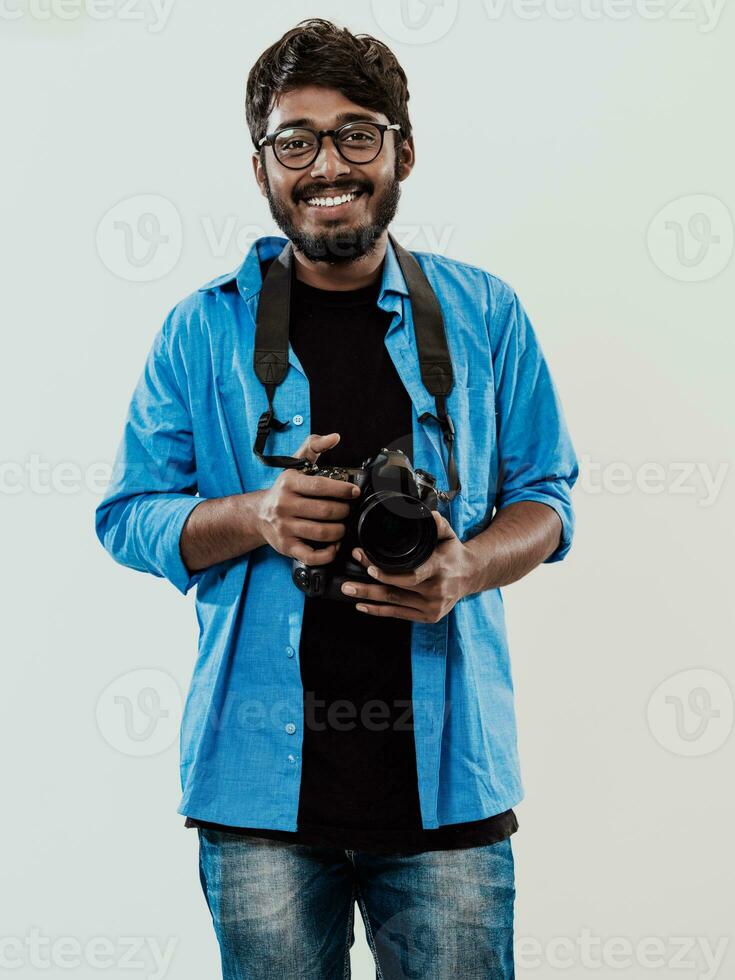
pixel 317 509
pixel 316 530
pixel 443 527
pixel 383 593
pixel 359 555
pixel 312 556
pixel 314 445
pixel 394 612
pixel 323 486
pixel 405 580
pixel 416 576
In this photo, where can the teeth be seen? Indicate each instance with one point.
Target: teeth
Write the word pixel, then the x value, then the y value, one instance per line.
pixel 330 202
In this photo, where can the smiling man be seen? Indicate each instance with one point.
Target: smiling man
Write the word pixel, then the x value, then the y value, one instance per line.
pixel 360 749
pixel 339 211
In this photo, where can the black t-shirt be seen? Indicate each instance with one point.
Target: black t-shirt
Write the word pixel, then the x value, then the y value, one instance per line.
pixel 359 787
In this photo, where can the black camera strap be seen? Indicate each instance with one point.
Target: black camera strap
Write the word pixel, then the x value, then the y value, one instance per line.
pixel 271 352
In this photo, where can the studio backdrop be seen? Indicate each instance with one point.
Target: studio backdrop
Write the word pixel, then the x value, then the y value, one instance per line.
pixel 580 150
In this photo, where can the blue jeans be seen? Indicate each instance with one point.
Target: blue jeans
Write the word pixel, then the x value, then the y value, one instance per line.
pixel 285 911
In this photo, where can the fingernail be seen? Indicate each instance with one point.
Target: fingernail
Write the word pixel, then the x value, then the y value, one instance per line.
pixel 372 570
pixel 361 607
pixel 355 491
pixel 349 589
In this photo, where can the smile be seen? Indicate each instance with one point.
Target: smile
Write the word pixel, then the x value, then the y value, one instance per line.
pixel 333 202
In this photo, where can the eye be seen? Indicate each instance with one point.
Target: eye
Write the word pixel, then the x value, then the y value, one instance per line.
pixel 359 136
pixel 294 141
pixel 294 144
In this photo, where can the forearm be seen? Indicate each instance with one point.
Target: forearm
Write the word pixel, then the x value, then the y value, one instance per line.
pixel 519 538
pixel 221 528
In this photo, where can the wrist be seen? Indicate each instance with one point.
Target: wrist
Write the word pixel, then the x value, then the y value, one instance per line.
pixel 247 522
pixel 472 574
pixel 483 566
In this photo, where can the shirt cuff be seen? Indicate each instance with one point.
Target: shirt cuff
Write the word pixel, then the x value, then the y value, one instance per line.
pixel 562 508
pixel 176 571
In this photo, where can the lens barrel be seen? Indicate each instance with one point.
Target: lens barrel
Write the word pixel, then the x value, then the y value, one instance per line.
pixel 396 531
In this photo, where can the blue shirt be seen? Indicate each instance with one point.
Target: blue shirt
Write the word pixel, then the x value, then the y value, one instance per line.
pixel 188 436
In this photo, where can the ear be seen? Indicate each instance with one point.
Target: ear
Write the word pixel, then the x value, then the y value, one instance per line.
pixel 406 158
pixel 259 172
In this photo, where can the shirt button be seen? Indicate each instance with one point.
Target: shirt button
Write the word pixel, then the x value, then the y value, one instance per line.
pixel 289 651
pixel 290 728
pixel 298 419
pixel 292 758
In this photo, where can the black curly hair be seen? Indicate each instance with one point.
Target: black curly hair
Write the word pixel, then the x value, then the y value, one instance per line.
pixel 317 52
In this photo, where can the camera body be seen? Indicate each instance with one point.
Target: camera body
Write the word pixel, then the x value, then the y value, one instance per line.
pixel 391 521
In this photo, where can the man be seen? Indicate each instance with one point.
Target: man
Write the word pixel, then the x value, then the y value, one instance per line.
pixel 364 748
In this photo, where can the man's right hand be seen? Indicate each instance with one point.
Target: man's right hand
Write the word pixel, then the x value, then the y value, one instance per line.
pixel 299 508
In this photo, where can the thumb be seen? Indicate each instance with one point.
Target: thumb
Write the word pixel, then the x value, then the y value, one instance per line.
pixel 314 445
pixel 443 527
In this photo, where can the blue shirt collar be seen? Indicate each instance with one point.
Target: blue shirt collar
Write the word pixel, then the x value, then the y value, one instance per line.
pixel 249 277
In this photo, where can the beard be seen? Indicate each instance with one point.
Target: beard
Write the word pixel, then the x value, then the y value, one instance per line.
pixel 340 245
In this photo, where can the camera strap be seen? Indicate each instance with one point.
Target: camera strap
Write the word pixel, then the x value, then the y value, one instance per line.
pixel 271 352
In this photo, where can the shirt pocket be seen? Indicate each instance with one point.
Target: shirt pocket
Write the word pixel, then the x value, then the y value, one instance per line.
pixel 239 405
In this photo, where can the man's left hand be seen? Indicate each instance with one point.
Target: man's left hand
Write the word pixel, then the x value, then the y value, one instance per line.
pixel 426 594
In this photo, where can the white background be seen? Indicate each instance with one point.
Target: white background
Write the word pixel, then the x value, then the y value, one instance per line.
pixel 547 149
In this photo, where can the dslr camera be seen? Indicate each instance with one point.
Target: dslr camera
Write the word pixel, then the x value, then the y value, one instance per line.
pixel 391 521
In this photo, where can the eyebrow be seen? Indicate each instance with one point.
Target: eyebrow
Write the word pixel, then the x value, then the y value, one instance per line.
pixel 339 120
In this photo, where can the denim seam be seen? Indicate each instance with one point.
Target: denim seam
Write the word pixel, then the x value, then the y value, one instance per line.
pixel 202 875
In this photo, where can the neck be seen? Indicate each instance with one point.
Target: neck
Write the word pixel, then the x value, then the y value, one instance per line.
pixel 349 275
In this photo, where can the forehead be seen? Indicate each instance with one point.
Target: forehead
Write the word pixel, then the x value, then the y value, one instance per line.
pixel 318 107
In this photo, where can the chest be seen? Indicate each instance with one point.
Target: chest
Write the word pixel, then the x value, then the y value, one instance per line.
pixel 354 387
pixel 370 384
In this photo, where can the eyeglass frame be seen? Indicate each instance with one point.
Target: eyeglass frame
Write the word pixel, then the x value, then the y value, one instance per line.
pixel 269 139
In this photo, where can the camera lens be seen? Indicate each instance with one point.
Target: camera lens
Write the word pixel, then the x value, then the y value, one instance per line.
pixel 396 531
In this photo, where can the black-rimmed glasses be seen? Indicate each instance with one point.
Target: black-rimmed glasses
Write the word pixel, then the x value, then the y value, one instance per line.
pixel 357 142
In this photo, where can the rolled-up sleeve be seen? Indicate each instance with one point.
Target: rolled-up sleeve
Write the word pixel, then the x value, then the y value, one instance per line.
pixel 153 487
pixel 536 458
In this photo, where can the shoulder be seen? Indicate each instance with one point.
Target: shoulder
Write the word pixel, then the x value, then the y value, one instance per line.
pixel 192 320
pixel 478 287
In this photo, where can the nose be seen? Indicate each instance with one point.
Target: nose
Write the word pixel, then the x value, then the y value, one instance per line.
pixel 328 162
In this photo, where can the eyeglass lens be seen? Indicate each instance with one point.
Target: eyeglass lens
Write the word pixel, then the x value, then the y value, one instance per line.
pixel 358 142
